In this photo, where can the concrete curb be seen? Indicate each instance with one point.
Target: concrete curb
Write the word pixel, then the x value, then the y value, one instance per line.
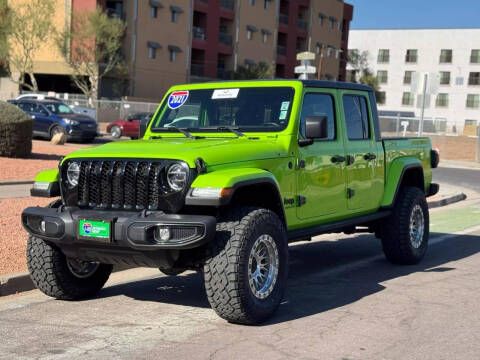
pixel 19 282
pixel 17 182
pixel 446 200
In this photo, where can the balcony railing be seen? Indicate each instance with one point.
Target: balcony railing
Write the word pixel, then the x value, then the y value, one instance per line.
pixel 225 38
pixel 302 24
pixel 226 4
pixel 283 19
pixel 197 69
pixel 281 50
pixel 199 33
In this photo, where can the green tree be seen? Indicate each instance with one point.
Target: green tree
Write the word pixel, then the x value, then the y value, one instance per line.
pixel 92 48
pixel 27 27
pixel 255 71
pixel 5 28
pixel 361 70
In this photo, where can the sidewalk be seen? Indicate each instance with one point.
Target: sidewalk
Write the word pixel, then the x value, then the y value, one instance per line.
pixel 457 164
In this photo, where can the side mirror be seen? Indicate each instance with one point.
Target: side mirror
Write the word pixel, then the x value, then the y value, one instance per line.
pixel 316 127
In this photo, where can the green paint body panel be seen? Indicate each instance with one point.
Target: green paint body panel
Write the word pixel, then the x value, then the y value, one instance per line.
pixel 275 155
pixel 48 176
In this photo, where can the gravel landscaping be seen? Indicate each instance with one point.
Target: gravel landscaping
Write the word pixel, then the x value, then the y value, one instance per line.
pixel 13 238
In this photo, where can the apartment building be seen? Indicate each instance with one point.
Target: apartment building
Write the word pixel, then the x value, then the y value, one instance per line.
pixel 452 56
pixel 177 41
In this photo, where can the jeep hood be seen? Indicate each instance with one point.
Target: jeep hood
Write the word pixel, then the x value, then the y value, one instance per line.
pixel 213 151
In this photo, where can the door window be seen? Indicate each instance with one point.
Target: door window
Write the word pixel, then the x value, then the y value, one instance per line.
pixel 315 104
pixel 356 117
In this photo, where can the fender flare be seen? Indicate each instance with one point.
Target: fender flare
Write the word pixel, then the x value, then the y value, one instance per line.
pixel 397 171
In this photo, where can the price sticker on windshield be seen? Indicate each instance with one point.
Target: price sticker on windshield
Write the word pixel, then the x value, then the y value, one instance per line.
pixel 177 99
pixel 225 94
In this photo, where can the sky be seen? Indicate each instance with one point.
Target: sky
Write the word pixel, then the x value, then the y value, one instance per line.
pixel 413 14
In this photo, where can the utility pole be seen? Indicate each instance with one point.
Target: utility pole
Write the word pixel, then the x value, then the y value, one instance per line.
pixel 320 63
pixel 424 93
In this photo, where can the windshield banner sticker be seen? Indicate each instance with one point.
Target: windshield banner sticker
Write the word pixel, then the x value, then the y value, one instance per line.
pixel 177 99
pixel 285 105
pixel 283 115
pixel 225 93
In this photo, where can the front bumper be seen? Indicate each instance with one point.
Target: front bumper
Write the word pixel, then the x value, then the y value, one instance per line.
pixel 134 235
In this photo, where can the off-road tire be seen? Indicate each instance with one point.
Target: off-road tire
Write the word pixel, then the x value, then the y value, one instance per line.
pixel 395 231
pixel 226 265
pixel 50 274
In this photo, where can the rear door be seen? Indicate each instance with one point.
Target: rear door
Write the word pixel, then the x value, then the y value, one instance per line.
pixel 42 121
pixel 320 169
pixel 363 165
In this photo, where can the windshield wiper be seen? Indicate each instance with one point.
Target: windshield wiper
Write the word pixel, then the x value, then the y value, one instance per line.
pixel 226 128
pixel 184 131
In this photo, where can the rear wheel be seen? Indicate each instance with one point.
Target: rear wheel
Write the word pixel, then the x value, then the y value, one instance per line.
pixel 60 277
pixel 247 265
pixel 405 233
pixel 116 132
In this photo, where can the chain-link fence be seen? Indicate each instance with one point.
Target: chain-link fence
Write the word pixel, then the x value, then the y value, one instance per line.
pixel 452 143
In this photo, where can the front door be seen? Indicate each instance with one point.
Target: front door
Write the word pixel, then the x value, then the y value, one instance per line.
pixel 320 169
pixel 361 153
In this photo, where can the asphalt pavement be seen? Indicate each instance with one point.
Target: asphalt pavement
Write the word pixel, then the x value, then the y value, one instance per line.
pixel 344 301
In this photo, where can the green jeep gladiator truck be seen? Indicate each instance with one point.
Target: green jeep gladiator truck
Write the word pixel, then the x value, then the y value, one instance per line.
pixel 225 176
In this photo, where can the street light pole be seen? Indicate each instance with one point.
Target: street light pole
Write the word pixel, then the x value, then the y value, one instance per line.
pixel 424 93
pixel 320 63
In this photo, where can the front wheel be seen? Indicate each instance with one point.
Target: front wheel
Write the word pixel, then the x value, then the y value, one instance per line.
pixel 405 233
pixel 247 265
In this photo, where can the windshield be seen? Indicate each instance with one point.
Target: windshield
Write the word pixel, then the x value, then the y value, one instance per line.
pixel 58 108
pixel 259 109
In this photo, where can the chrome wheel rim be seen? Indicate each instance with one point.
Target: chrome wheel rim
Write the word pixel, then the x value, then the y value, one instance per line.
pixel 115 132
pixel 82 269
pixel 417 226
pixel 263 266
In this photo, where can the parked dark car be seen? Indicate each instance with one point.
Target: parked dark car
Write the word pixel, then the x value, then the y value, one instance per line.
pixel 52 117
pixel 130 126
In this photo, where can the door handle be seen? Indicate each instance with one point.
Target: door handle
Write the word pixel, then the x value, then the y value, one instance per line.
pixel 338 159
pixel 370 157
pixel 350 159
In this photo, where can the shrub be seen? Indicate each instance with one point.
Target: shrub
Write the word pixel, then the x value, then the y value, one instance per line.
pixel 15 131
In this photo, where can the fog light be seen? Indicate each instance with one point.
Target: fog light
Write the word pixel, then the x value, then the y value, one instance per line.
pixel 164 233
pixel 43 226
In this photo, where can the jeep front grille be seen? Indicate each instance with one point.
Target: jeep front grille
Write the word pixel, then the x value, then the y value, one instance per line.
pixel 126 184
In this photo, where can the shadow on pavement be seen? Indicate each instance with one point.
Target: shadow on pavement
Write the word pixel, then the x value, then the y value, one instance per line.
pixel 312 288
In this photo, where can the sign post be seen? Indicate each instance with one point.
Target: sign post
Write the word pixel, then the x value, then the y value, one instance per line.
pixel 305 68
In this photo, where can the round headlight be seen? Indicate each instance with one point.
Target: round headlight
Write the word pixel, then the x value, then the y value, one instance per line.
pixel 73 173
pixel 177 176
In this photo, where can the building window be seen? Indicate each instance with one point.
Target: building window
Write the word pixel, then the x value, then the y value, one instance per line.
pixel 407 77
pixel 252 2
pixel 265 4
pixel 444 77
pixel 475 57
pixel 473 101
pixel 330 50
pixel 381 97
pixel 383 56
pixel 411 56
pixel 442 100
pixel 250 30
pixel 321 18
pixel 340 25
pixel 153 12
pixel 175 12
pixel 319 48
pixel 331 23
pixel 249 35
pixel 152 53
pixel 382 76
pixel 173 50
pixel 474 78
pixel 446 56
pixel 407 99
pixel 471 123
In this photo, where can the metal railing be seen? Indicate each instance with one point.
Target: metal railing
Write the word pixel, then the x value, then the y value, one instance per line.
pixel 226 4
pixel 197 69
pixel 281 50
pixel 199 33
pixel 225 38
pixel 283 19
